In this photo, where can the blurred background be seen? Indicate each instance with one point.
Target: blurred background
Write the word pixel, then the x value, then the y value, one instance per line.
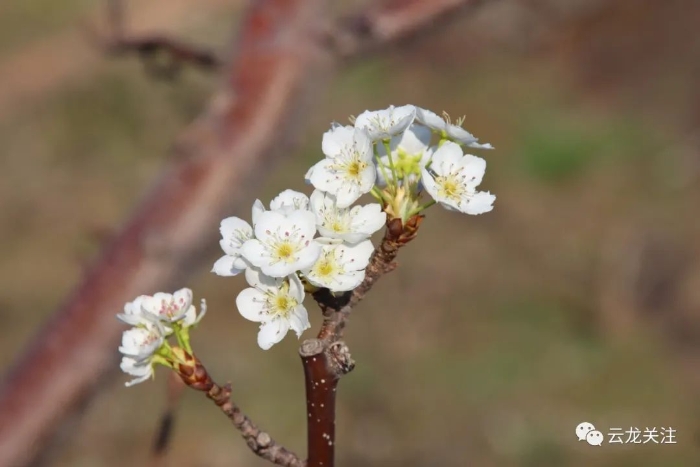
pixel 576 299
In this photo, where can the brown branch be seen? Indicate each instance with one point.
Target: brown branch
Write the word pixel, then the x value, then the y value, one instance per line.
pixel 390 22
pixel 322 370
pixel 214 161
pixel 326 358
pixel 195 375
pixel 163 56
pixel 257 440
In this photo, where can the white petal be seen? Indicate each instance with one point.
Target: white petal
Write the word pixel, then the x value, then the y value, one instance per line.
pixel 346 282
pixel 480 146
pixel 257 279
pixel 348 195
pixel 473 168
pixel 190 317
pixel 183 298
pixel 460 135
pixel 299 320
pixel 368 177
pixel 279 269
pixel 363 144
pixel 480 203
pixel 232 229
pixel 268 223
pixel 290 200
pixel 296 288
pixel 272 332
pixel 430 119
pixel 258 208
pixel 305 221
pixel 322 178
pixel 368 219
pixel 448 155
pixel 356 257
pixel 307 257
pixel 415 140
pixel 255 252
pixel 429 184
pixel 251 303
pixel 336 140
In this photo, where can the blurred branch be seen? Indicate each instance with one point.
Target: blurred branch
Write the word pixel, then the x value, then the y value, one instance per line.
pixel 163 56
pixel 391 21
pixel 275 65
pixel 215 160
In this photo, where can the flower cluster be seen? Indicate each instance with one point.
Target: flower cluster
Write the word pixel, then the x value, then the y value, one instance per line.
pixel 281 248
pixel 305 243
pixel 154 319
pixel 386 153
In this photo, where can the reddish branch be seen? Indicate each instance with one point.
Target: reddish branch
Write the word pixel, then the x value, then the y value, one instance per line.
pixel 215 159
pixel 213 162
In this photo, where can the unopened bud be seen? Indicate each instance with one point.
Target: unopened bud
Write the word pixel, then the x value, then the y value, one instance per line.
pixel 191 370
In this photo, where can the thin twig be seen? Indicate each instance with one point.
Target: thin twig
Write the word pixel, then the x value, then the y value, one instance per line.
pixel 260 442
pixel 215 160
pixel 213 163
pixel 193 373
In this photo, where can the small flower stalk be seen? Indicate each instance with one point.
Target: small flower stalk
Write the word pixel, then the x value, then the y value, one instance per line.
pixel 155 320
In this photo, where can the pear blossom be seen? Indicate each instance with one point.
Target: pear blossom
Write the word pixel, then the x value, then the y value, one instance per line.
pixel 162 309
pixel 452 179
pixel 340 267
pixel 447 130
pixel 276 303
pixel 410 152
pixel 283 243
pixel 384 124
pixel 348 170
pixel 234 233
pixel 351 225
pixel 141 342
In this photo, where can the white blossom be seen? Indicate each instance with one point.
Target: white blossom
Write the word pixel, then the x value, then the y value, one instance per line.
pixel 141 342
pixel 234 233
pixel 409 152
pixel 453 132
pixel 351 225
pixel 162 309
pixel 383 124
pixel 452 180
pixel 283 243
pixel 276 303
pixel 340 267
pixel 348 170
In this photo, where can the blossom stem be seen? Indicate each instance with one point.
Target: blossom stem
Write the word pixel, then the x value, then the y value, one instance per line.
pixel 382 169
pixel 422 208
pixel 387 147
